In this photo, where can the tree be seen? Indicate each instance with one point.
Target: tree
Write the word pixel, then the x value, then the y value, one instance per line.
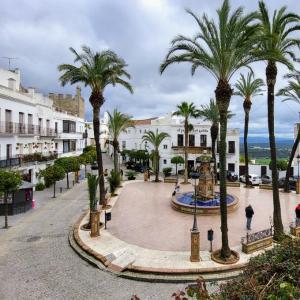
pixel 155 139
pixel 85 159
pixel 177 160
pixel 222 49
pixel 186 110
pixel 210 112
pixel 52 174
pixel 247 88
pixel 114 181
pixel 69 164
pixel 275 44
pixel 118 122
pixel 9 183
pixel 98 71
pixel 291 93
pixel 93 181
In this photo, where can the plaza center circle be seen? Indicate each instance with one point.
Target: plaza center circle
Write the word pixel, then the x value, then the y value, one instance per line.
pixel 143 216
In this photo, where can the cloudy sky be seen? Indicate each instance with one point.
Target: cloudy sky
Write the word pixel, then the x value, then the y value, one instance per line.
pixel 39 34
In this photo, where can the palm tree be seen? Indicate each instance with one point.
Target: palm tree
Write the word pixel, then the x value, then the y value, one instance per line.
pixel 118 122
pixel 186 110
pixel 210 112
pixel 155 139
pixel 291 93
pixel 96 70
pixel 222 49
pixel 247 88
pixel 275 44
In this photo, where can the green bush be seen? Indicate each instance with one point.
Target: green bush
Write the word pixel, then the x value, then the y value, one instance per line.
pixel 114 181
pixel 39 186
pixel 130 175
pixel 167 171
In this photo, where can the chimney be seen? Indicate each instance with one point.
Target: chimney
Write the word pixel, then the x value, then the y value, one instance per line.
pixel 12 84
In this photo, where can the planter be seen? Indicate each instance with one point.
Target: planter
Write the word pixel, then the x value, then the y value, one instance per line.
pixel 95 220
pixel 234 257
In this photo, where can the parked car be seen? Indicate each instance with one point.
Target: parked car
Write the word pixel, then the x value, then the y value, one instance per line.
pixel 230 176
pixel 292 183
pixel 130 165
pixel 266 179
pixel 253 179
pixel 94 166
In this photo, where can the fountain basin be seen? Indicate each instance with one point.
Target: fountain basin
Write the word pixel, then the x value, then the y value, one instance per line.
pixel 185 203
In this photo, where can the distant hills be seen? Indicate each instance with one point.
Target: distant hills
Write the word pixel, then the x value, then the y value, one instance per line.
pixel 262 140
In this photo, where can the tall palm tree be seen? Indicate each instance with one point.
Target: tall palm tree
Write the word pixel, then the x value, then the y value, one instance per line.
pixel 275 44
pixel 247 88
pixel 118 122
pixel 221 48
pixel 210 112
pixel 155 139
pixel 96 70
pixel 186 110
pixel 291 93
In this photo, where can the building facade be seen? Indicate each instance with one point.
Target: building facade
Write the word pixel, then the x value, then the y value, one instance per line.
pixel 32 130
pixel 199 140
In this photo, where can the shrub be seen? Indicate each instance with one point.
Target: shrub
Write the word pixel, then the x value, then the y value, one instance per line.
pixel 114 181
pixel 88 149
pixel 167 171
pixel 40 186
pixel 130 175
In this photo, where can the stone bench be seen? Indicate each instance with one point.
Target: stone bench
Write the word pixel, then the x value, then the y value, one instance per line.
pixel 265 186
pixel 170 179
pixel 257 241
pixel 233 183
pixel 295 229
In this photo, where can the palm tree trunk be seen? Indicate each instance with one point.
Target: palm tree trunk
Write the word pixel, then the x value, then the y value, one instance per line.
pixel 96 101
pixel 292 155
pixel 223 94
pixel 156 159
pixel 6 210
pixel 214 131
pixel 116 164
pixel 68 186
pixel 186 132
pixel 54 189
pixel 271 73
pixel 246 109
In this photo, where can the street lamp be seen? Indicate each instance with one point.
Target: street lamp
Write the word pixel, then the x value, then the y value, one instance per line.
pixel 195 239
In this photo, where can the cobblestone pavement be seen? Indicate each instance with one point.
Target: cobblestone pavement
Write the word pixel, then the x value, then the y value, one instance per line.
pixel 36 261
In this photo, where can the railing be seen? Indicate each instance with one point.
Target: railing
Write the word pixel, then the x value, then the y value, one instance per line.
pixel 8 128
pixel 192 149
pixel 10 162
pixel 253 237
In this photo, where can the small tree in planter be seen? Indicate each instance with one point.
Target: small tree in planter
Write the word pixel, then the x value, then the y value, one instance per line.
pixel 167 171
pixel 114 181
pixel 130 175
pixel 9 183
pixel 69 164
pixel 177 160
pixel 85 159
pixel 51 175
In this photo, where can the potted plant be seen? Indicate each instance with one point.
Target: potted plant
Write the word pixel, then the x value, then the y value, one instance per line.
pixel 130 175
pixel 167 171
pixel 114 181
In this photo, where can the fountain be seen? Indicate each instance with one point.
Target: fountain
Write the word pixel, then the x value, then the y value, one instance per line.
pixel 207 200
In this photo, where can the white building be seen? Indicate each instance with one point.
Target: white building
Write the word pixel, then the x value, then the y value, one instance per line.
pixel 30 124
pixel 199 140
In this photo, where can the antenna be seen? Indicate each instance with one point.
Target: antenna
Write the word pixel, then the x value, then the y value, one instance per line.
pixel 9 59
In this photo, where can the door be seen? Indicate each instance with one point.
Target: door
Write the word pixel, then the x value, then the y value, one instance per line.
pixel 203 140
pixel 8 151
pixel 21 123
pixel 30 126
pixel 180 140
pixel 8 122
pixel 263 170
pixel 191 164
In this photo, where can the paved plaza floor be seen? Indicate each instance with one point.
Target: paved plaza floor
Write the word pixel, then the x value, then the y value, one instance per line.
pixel 143 216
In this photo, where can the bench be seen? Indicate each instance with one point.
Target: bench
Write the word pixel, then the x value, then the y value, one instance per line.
pixel 295 229
pixel 257 241
pixel 170 179
pixel 233 183
pixel 265 186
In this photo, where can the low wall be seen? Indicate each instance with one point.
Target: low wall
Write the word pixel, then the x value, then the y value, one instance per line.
pixel 257 245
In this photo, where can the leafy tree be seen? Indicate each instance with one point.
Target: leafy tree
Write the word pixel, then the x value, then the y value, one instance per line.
pixel 177 160
pixel 118 122
pixel 186 110
pixel 52 174
pixel 276 42
pixel 93 182
pixel 85 159
pixel 247 88
pixel 69 164
pixel 9 183
pixel 281 165
pixel 291 93
pixel 88 149
pixel 222 48
pixel 155 139
pixel 98 71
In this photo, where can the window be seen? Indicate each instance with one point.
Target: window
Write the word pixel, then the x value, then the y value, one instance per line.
pixel 8 151
pixel 8 122
pixel 165 161
pixel 165 146
pixel 40 124
pixel 180 140
pixel 69 145
pixel 140 130
pixel 69 126
pixel 203 140
pixel 231 167
pixel 56 126
pixel 231 147
pixel 21 123
pixel 30 125
pixel 123 145
pixel 56 146
pixel 191 140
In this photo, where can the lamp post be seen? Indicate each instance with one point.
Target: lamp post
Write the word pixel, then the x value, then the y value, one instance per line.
pixel 298 179
pixel 195 236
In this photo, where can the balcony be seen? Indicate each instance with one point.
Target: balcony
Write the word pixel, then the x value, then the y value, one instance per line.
pixel 192 149
pixel 47 132
pixel 10 162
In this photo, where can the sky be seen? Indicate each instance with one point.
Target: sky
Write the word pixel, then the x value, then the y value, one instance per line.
pixel 39 33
